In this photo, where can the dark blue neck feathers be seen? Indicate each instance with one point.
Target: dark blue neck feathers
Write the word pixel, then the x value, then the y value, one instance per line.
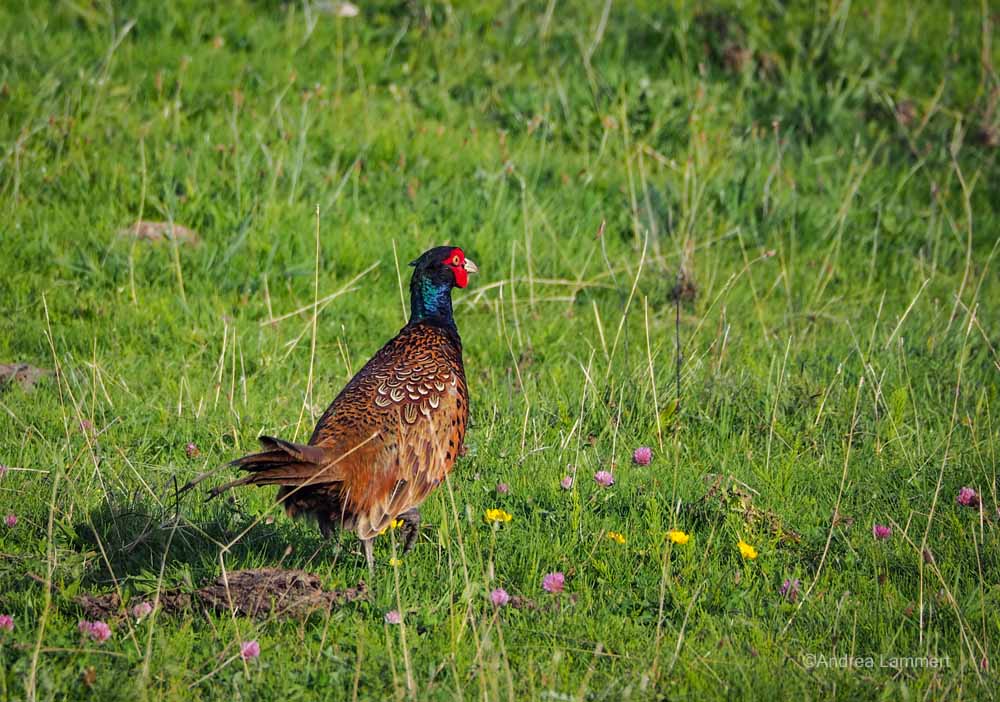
pixel 430 301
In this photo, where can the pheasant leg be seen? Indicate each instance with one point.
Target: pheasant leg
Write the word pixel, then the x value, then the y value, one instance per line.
pixel 369 555
pixel 411 528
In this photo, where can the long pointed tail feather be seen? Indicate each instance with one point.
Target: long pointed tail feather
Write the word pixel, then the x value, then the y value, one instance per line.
pixel 280 463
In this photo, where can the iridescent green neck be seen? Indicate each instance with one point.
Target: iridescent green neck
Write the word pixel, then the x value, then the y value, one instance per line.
pixel 430 301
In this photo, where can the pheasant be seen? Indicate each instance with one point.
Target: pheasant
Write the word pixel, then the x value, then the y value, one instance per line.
pixel 392 434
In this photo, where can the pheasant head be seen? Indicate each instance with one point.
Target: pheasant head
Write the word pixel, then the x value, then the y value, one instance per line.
pixel 435 273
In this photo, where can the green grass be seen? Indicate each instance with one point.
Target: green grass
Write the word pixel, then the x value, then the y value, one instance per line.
pixel 823 176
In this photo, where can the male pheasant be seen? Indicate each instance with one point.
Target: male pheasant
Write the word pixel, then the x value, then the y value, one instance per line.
pixel 393 433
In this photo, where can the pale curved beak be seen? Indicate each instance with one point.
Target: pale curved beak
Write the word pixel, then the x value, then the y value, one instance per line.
pixel 470 267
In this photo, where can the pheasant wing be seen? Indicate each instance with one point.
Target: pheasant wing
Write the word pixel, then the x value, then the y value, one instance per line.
pixel 402 418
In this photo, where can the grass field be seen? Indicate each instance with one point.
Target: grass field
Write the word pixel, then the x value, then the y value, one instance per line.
pixel 808 198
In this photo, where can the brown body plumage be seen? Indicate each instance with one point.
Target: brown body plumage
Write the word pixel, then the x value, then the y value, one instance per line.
pixel 393 433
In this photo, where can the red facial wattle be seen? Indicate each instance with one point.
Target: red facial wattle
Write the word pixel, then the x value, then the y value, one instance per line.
pixel 456 261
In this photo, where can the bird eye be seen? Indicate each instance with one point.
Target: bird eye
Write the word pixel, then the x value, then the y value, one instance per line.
pixel 455 260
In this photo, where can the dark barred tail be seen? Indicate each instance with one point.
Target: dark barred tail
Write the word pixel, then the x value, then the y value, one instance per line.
pixel 280 463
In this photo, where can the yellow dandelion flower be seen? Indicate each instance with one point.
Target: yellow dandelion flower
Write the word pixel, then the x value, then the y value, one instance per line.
pixel 746 550
pixel 678 536
pixel 394 524
pixel 395 562
pixel 616 537
pixel 494 516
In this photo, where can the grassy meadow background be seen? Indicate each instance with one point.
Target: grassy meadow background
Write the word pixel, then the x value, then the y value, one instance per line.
pixel 820 185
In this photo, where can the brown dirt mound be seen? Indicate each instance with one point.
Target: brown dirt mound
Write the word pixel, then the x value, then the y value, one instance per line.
pixel 159 231
pixel 21 373
pixel 728 495
pixel 259 593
